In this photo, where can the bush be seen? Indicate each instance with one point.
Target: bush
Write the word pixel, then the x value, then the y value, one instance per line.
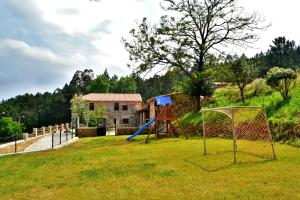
pixel 284 130
pixel 9 129
pixel 227 94
pixel 261 88
pixel 282 80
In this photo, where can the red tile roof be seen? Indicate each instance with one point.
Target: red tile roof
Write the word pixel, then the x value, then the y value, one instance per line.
pixel 112 97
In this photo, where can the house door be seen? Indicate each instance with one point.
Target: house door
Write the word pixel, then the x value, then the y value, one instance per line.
pixel 101 130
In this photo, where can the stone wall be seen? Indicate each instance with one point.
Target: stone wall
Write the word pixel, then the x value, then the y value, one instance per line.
pixel 182 103
pixel 21 145
pixel 86 132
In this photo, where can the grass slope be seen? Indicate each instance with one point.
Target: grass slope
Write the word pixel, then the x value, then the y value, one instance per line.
pixel 276 107
pixel 111 168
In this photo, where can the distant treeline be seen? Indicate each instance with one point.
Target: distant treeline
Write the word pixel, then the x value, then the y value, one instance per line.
pixel 53 108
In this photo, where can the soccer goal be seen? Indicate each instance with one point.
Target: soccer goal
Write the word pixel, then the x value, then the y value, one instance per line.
pixel 245 130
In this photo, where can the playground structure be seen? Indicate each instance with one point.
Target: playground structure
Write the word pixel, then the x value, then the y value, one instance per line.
pixel 162 125
pixel 242 125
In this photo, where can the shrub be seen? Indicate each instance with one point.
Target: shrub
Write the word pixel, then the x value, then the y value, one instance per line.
pixel 284 130
pixel 226 94
pixel 261 88
pixel 9 129
pixel 282 80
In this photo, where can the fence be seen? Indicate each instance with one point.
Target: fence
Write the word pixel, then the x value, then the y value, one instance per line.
pixel 40 139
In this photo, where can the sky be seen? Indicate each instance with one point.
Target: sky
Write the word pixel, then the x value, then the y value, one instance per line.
pixel 44 42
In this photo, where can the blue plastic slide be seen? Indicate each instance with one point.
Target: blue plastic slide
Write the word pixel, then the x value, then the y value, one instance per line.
pixel 141 129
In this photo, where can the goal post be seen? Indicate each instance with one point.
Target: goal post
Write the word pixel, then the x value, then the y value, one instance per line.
pixel 246 126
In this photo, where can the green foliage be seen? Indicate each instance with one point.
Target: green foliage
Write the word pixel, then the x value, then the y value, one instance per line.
pixel 82 79
pixel 241 72
pixel 192 119
pixel 80 108
pixel 282 53
pixel 199 85
pixel 9 129
pixel 93 117
pixel 106 84
pixel 260 87
pixel 100 85
pixel 125 84
pixel 226 94
pixel 282 80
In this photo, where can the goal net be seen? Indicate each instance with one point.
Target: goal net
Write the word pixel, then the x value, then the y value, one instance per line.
pixel 241 132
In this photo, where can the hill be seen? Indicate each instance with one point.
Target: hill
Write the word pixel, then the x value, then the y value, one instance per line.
pixel 283 115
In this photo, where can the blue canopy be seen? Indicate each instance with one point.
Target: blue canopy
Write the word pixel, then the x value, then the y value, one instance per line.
pixel 163 100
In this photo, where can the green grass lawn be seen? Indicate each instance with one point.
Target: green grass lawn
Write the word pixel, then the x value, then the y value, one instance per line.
pixel 112 168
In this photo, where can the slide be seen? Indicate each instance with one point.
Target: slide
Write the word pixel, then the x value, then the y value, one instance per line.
pixel 141 129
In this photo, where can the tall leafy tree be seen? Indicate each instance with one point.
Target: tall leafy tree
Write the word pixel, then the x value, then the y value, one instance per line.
pixel 281 52
pixel 188 32
pixel 241 72
pixel 126 84
pixel 82 79
pixel 100 85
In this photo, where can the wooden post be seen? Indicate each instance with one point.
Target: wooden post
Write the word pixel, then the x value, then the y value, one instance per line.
pixel 233 136
pixel 204 136
pixel 50 129
pixel 56 128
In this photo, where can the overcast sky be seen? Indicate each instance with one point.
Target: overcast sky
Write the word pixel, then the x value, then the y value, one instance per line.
pixel 43 42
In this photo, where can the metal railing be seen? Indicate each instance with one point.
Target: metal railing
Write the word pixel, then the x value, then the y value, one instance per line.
pixel 41 139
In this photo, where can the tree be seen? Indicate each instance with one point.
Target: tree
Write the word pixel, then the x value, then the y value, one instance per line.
pixel 281 53
pixel 282 80
pixel 79 108
pixel 200 84
pixel 126 85
pixel 100 85
pixel 82 79
pixel 241 72
pixel 190 31
pixel 96 115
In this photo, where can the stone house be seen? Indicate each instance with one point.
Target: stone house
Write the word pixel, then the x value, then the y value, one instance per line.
pixel 121 108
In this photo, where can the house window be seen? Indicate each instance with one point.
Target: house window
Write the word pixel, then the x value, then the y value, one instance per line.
pixel 91 106
pixel 125 107
pixel 116 107
pixel 125 121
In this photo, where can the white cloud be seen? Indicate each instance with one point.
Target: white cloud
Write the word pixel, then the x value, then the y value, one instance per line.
pixel 43 42
pixel 21 49
pixel 82 16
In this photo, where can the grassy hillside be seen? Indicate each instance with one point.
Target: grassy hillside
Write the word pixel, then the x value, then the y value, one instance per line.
pixel 275 106
pixel 112 168
pixel 284 114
